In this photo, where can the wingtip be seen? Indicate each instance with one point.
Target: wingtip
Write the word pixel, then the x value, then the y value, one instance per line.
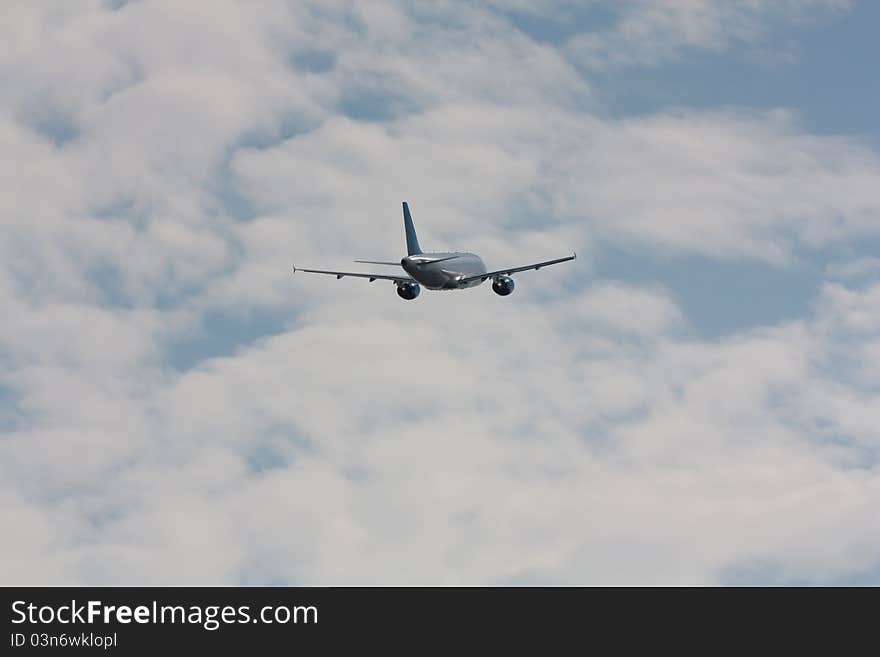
pixel 294 269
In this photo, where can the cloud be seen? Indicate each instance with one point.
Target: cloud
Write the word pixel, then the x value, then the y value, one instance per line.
pixel 176 408
pixel 622 308
pixel 649 33
pixel 854 268
pixel 725 183
pixel 530 455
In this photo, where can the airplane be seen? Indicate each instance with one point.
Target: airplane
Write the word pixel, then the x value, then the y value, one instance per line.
pixel 438 271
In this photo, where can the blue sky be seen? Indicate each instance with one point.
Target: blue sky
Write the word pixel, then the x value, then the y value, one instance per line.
pixel 693 401
pixel 821 69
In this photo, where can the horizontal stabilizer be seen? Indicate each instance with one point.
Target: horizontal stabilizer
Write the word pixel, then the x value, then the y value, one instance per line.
pixel 378 262
pixel 428 260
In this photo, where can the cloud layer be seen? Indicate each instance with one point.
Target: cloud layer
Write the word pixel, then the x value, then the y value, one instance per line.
pixel 176 408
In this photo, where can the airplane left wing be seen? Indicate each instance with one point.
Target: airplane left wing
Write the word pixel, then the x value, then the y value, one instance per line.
pixel 513 270
pixel 372 277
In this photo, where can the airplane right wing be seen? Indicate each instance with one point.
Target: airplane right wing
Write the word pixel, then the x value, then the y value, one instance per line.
pixel 513 270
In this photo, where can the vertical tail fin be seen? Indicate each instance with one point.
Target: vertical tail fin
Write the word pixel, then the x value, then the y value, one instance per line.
pixel 412 242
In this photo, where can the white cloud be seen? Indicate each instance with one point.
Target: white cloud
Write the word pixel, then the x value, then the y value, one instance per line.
pixel 854 267
pixel 724 183
pixel 649 33
pixel 622 308
pixel 400 453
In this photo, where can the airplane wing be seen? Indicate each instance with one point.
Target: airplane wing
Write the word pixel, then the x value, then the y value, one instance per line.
pixel 372 277
pixel 513 270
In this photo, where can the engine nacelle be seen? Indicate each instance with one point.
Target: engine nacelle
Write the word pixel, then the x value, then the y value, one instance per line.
pixel 408 291
pixel 502 285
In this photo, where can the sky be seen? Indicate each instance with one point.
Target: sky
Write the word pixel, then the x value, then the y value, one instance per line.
pixel 693 401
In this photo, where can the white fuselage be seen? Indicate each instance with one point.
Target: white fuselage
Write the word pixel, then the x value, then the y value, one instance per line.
pixel 444 271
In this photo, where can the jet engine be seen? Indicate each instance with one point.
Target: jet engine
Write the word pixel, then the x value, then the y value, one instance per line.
pixel 408 291
pixel 503 285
